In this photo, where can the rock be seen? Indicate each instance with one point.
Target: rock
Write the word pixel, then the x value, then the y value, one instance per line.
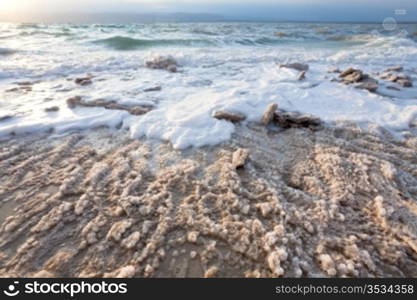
pixel 269 114
pixel 296 66
pixel 211 272
pixel 232 117
pixel 74 101
pixel 347 72
pixel 302 76
pixel 172 68
pixel 133 110
pixel 394 69
pixel 25 83
pixel 288 120
pixel 394 88
pixel 131 241
pixel 405 82
pixel 352 75
pixel 5 117
pixel 163 63
pixel 239 158
pixel 52 109
pixel 369 84
pixel 192 236
pixel 138 110
pixel 83 81
pixel 43 274
pixel 401 79
pixel 153 89
pixel 334 70
pixel 23 88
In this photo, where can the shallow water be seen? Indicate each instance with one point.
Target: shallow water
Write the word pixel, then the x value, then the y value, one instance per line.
pixel 228 66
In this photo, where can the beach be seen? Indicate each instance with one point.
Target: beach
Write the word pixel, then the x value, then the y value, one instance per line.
pixel 208 150
pixel 336 202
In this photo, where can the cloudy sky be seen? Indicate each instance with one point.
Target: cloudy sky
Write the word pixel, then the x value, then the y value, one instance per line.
pixel 301 10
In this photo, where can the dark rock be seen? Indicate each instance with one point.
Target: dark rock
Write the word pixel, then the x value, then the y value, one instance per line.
pixel 5 117
pixel 52 109
pixel 153 89
pixel 394 88
pixel 288 120
pixel 83 81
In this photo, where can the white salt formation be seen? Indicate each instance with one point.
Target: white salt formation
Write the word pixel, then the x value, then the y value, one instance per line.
pixel 336 202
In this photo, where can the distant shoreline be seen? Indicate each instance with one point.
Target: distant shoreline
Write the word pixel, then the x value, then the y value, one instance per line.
pixel 162 18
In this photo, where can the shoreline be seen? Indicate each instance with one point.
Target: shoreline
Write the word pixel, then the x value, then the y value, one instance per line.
pixel 338 202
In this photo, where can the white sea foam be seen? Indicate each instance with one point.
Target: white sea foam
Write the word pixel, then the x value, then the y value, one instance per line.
pixel 231 76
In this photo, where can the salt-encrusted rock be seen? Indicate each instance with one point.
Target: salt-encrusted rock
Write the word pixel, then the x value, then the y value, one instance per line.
pixel 118 228
pixel 74 101
pixel 131 241
pixel 83 81
pixel 327 264
pixel 404 82
pixel 401 79
pixel 296 120
pixel 232 117
pixel 352 75
pixel 269 114
pixel 43 274
pixel 192 236
pixel 138 110
pixel 133 110
pixel 394 69
pixel 52 109
pixel 334 70
pixel 347 72
pixel 239 158
pixel 153 89
pixel 172 68
pixel 361 80
pixel 302 76
pixel 124 272
pixel 369 84
pixel 296 66
pixel 274 260
pixel 162 63
pixel 211 272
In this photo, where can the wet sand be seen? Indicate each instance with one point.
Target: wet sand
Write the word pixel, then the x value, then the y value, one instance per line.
pixel 338 202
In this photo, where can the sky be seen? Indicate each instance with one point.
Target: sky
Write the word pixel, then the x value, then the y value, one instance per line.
pixel 251 10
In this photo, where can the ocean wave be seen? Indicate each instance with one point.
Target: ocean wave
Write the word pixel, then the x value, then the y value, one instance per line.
pixel 126 43
pixel 47 33
pixel 351 37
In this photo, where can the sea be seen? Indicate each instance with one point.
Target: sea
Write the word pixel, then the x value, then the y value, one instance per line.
pixel 231 66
